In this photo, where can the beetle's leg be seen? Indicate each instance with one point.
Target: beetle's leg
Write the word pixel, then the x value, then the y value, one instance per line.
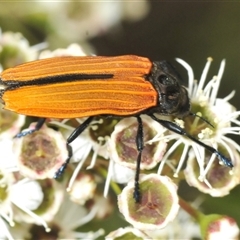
pixel 70 139
pixel 175 128
pixel 140 146
pixel 39 124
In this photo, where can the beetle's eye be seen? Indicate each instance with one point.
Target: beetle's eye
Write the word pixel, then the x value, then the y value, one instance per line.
pixel 165 80
pixel 172 95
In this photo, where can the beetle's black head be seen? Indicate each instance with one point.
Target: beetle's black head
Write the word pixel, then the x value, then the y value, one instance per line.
pixel 172 96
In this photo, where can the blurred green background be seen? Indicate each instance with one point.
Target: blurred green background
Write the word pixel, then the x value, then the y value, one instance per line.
pixel 192 31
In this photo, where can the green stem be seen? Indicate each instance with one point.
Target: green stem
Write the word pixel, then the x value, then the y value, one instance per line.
pixel 113 185
pixel 197 215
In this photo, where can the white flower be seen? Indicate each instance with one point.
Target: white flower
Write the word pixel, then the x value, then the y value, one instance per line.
pixel 220 227
pixel 15 43
pixel 72 50
pixel 39 155
pixel 82 20
pixel 124 232
pixel 89 140
pixel 65 222
pixel 10 124
pixel 83 188
pixel 43 198
pixel 121 174
pixel 204 102
pixel 158 206
pixel 25 195
pixel 122 144
pixel 123 150
pixel 174 230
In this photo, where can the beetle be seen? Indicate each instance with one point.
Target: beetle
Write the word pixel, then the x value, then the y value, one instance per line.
pixel 88 86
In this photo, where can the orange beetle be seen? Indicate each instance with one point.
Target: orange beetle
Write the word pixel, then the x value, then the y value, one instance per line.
pixel 71 87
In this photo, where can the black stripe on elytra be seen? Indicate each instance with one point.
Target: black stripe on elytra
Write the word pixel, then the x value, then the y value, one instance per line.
pixel 11 84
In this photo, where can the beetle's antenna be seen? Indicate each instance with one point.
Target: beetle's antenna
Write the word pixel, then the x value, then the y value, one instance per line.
pixel 203 119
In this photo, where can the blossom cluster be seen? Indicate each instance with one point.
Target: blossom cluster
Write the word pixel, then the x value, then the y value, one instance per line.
pixel 104 163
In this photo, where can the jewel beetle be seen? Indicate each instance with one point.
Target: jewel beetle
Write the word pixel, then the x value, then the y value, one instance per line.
pixel 89 86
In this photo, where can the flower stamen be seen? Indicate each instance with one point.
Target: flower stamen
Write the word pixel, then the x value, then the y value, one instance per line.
pixel 4 230
pixel 168 153
pixel 78 168
pixel 33 215
pixel 182 160
pixel 108 178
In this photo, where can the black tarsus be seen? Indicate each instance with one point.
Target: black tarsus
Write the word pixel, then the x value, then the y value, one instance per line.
pixel 140 146
pixel 71 138
pixel 175 128
pixel 39 124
